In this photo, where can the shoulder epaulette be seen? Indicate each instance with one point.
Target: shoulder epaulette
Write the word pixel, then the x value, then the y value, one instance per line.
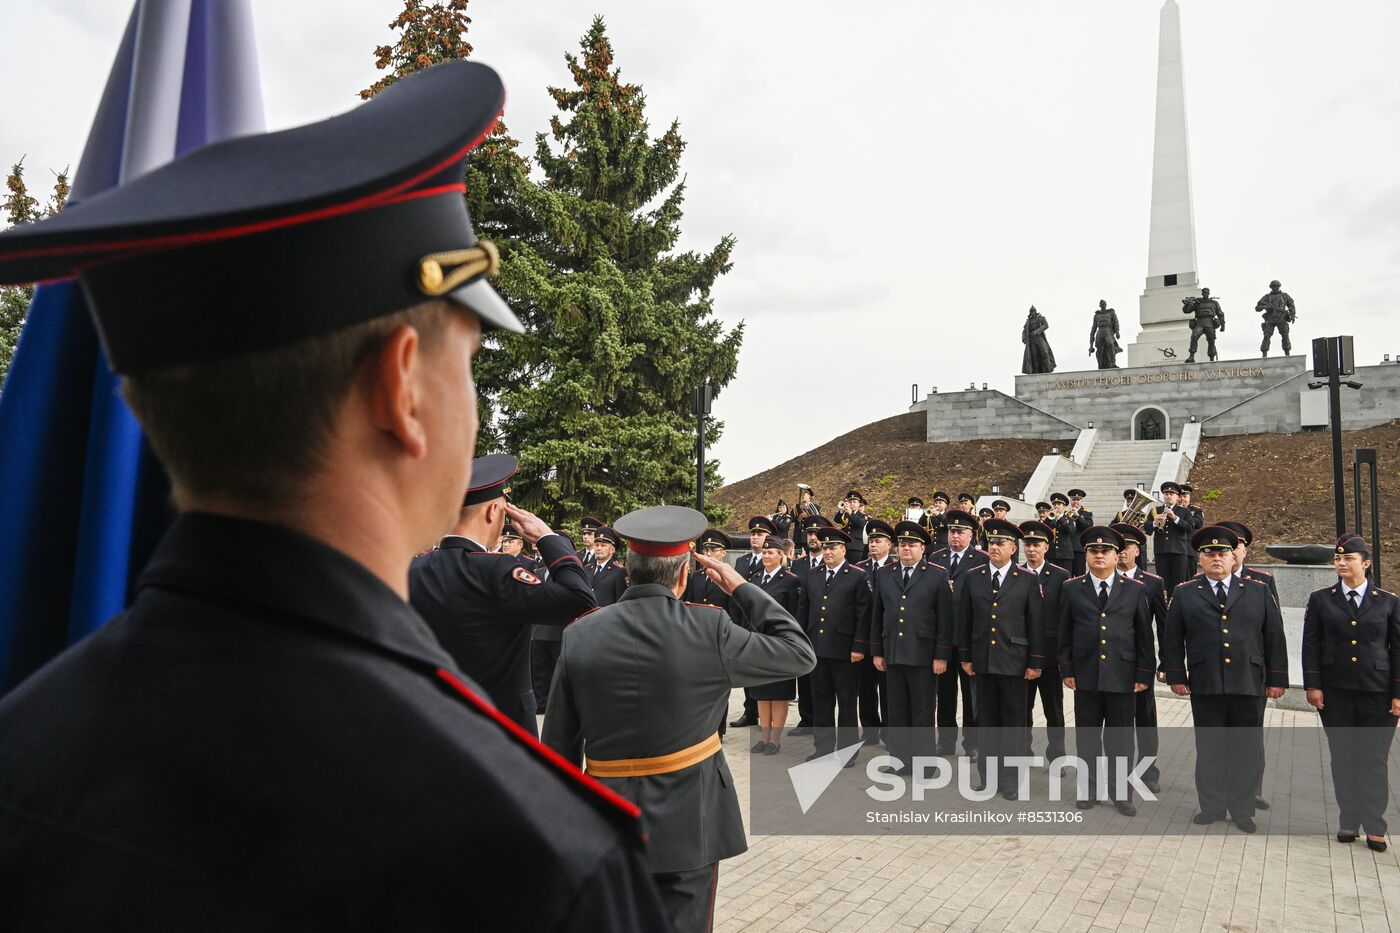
pixel 586 612
pixel 1262 573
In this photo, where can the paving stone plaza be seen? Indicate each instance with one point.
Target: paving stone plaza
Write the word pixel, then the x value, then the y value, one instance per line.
pixel 1202 878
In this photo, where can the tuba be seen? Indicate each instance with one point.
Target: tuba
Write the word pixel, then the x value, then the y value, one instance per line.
pixel 1136 514
pixel 810 508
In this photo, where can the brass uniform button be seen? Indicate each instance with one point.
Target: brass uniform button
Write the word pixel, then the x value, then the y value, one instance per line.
pixel 1103 628
pixel 1227 660
pixel 994 641
pixel 1353 621
pixel 1224 618
pixel 1103 657
pixel 1353 660
pixel 1103 615
pixel 1225 631
pixel 1227 644
pixel 1103 641
pixel 901 634
pixel 1353 641
pixel 994 615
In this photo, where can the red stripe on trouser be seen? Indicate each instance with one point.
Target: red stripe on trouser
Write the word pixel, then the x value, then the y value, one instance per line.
pixel 714 887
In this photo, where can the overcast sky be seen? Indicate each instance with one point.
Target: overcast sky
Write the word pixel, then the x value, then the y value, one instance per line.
pixel 904 179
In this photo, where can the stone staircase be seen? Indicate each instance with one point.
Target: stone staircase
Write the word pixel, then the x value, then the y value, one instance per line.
pixel 1112 467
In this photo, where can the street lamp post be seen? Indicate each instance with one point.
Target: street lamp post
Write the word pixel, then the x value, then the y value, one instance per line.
pixel 700 398
pixel 1333 358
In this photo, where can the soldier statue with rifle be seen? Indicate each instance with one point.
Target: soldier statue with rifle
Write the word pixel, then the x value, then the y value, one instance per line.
pixel 1208 318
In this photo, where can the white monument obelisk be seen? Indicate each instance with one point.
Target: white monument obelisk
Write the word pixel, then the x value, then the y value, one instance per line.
pixel 1171 245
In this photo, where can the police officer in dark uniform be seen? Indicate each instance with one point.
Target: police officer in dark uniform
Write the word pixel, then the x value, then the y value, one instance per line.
pixel 1145 702
pixel 771 699
pixel 810 562
pixel 760 527
pixel 701 590
pixel 834 607
pixel 983 515
pixel 586 527
pixel 1351 670
pixel 480 603
pixel 1106 656
pixel 1198 514
pixel 937 523
pixel 640 686
pixel 1246 540
pixel 1035 540
pixel 873 699
pixel 1062 524
pixel 855 521
pixel 1171 527
pixel 911 603
pixel 1081 519
pixel 270 737
pixel 957 558
pixel 1001 644
pixel 608 577
pixel 1230 632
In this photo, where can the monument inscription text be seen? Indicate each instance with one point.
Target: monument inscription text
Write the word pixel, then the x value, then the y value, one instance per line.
pixel 1127 378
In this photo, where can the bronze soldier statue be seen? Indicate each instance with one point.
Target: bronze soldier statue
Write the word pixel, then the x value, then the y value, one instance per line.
pixel 1208 319
pixel 1103 336
pixel 1038 358
pixel 1279 312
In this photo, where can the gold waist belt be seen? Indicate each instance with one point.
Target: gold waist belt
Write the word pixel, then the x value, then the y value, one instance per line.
pixel 661 764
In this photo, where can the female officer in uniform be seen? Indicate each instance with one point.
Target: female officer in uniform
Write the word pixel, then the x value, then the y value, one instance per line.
pixel 1351 662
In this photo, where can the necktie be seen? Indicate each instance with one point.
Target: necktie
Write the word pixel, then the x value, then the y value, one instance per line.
pixel 1103 594
pixel 1220 592
pixel 829 574
pixel 1351 598
pixel 908 569
pixel 996 580
pixel 764 581
pixel 954 567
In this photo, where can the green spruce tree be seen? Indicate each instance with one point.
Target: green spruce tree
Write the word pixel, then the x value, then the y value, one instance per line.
pixel 22 208
pixel 594 399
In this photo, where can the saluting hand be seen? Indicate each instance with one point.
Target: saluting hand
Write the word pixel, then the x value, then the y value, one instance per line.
pixel 531 527
pixel 721 574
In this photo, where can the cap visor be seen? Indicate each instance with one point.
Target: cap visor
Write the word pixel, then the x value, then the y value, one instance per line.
pixel 495 314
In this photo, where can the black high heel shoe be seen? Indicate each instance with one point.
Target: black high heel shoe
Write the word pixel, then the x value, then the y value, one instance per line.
pixel 1346 835
pixel 1376 845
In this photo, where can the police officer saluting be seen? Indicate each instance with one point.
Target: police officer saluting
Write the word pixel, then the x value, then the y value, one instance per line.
pixel 639 688
pixel 480 604
pixel 1224 648
pixel 270 737
pixel 911 604
pixel 1105 657
pixel 1001 643
pixel 1351 670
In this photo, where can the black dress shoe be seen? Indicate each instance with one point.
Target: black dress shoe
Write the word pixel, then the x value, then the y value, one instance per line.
pixel 800 730
pixel 1153 785
pixel 759 746
pixel 1084 804
pixel 871 739
pixel 743 721
pixel 1260 803
pixel 1376 845
pixel 1008 795
pixel 1205 819
pixel 1346 835
pixel 1125 808
pixel 815 755
pixel 770 749
pixel 1245 824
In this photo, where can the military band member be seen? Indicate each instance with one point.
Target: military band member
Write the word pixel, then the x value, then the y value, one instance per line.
pixel 834 607
pixel 1351 671
pixel 639 688
pixel 1198 515
pixel 1126 516
pixel 608 577
pixel 874 698
pixel 911 604
pixel 810 562
pixel 1062 524
pixel 1001 645
pixel 1106 657
pixel 984 514
pixel 1171 526
pixel 1145 703
pixel 269 737
pixel 806 505
pixel 773 698
pixel 855 521
pixel 1082 519
pixel 782 520
pixel 760 527
pixel 1225 649
pixel 480 604
pixel 586 527
pixel 957 558
pixel 936 522
pixel 1035 541
pixel 967 502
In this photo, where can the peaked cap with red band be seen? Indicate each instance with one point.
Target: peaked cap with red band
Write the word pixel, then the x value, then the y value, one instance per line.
pixel 661 530
pixel 266 240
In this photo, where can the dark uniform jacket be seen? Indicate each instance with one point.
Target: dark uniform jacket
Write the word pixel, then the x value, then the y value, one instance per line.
pixel 1081 523
pixel 650 676
pixel 784 587
pixel 1264 577
pixel 1062 548
pixel 1236 650
pixel 836 615
pixel 944 557
pixel 1175 536
pixel 700 589
pixel 270 738
pixel 908 623
pixel 937 527
pixel 1106 649
pixel 1052 579
pixel 1352 651
pixel 1155 589
pixel 1001 634
pixel 609 581
pixel 480 606
pixel 748 564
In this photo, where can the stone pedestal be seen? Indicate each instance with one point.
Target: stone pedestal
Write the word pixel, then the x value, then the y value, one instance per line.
pixel 1166 332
